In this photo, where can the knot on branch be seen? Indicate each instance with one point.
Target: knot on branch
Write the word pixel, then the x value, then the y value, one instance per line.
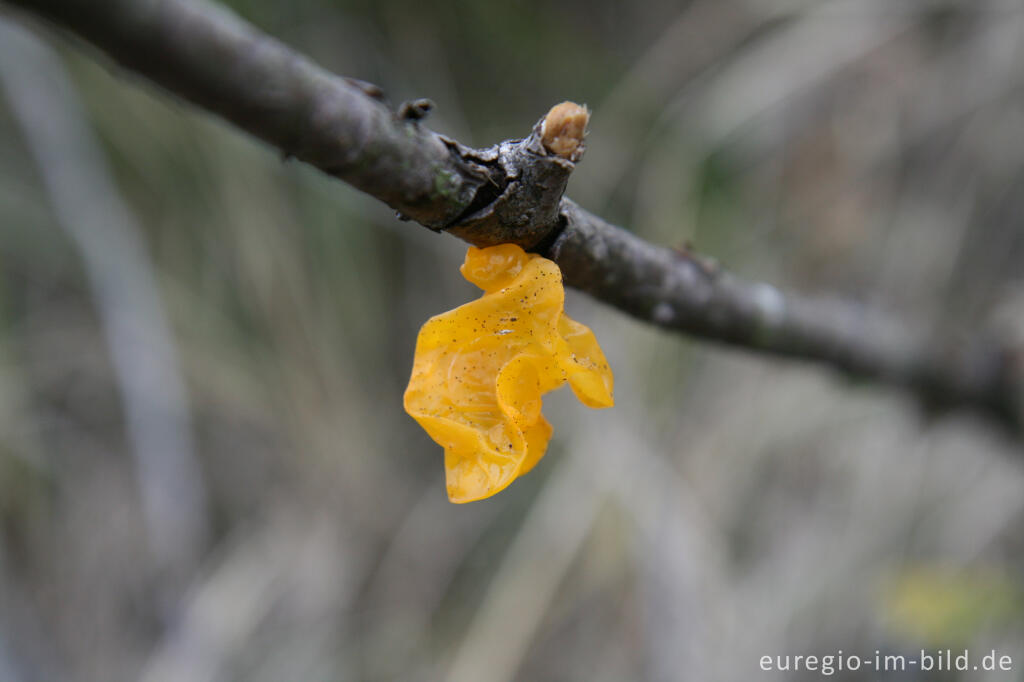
pixel 525 180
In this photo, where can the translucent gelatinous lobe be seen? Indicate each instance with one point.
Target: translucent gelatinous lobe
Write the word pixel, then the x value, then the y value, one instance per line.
pixel 480 370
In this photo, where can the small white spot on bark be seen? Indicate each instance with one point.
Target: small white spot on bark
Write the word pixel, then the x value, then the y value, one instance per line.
pixel 663 313
pixel 770 302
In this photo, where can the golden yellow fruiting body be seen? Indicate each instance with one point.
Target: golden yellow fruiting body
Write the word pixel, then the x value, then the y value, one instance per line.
pixel 480 370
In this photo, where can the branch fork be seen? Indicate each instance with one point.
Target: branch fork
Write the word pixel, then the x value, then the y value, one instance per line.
pixel 521 201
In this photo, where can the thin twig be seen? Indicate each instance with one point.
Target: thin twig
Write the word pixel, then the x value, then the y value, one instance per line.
pixel 512 192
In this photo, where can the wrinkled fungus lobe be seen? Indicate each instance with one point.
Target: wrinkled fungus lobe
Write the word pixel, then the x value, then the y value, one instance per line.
pixel 480 370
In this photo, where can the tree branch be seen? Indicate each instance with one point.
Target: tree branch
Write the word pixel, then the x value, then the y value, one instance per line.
pixel 512 192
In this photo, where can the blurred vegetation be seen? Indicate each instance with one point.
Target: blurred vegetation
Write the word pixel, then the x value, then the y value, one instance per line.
pixel 729 507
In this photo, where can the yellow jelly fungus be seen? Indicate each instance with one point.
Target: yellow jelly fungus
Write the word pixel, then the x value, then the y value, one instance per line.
pixel 480 370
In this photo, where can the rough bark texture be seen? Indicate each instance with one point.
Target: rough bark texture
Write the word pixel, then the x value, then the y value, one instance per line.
pixel 522 201
pixel 689 293
pixel 209 56
pixel 512 192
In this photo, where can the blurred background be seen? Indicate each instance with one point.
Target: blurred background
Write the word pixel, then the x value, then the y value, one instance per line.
pixel 205 469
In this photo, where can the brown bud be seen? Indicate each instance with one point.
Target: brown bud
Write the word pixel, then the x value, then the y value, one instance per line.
pixel 563 129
